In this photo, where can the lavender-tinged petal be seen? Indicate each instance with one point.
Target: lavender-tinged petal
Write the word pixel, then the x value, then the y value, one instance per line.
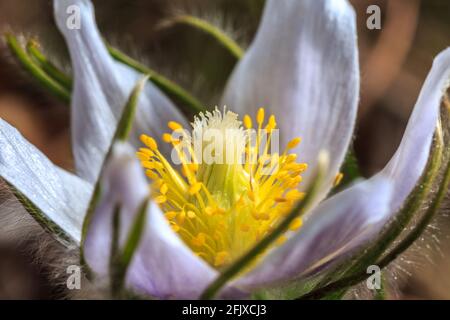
pixel 61 196
pixel 338 226
pixel 407 165
pixel 303 67
pixel 403 171
pixel 163 266
pixel 101 89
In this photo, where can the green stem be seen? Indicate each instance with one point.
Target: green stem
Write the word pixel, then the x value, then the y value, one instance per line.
pixel 420 192
pixel 121 134
pixel 35 70
pixel 160 81
pixel 423 223
pixel 53 71
pixel 218 34
pixel 404 244
pixel 268 240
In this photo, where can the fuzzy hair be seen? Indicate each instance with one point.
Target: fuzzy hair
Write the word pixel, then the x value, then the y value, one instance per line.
pixel 20 231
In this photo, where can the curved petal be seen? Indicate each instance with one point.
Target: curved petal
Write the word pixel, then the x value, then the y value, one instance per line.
pixel 101 89
pixel 163 266
pixel 303 67
pixel 403 172
pixel 61 196
pixel 407 165
pixel 338 226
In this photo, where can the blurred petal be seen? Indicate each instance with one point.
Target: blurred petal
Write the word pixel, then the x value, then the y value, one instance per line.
pixel 338 226
pixel 407 165
pixel 163 265
pixel 60 195
pixel 303 67
pixel 101 89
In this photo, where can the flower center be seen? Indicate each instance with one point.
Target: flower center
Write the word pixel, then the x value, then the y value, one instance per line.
pixel 231 190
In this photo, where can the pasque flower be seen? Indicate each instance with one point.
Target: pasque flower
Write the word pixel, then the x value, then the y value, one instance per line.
pixel 303 67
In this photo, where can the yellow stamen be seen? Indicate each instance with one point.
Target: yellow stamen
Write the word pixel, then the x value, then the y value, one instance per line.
pixel 296 224
pixel 260 116
pixel 174 125
pixel 221 209
pixel 338 179
pixel 220 258
pixel 247 122
pixel 195 188
pixel 293 143
pixel 167 137
pixel 199 240
pixel 149 142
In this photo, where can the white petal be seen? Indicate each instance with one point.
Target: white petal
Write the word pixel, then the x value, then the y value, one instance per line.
pixel 403 172
pixel 163 265
pixel 339 225
pixel 101 89
pixel 60 195
pixel 407 165
pixel 303 67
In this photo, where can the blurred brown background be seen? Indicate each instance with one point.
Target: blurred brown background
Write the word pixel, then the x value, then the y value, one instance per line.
pixel 395 61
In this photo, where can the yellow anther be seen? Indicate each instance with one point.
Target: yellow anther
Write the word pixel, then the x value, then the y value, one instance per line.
pixel 221 258
pixel 184 172
pixel 174 125
pixel 281 240
pixel 148 165
pixel 181 217
pixel 247 122
pixel 294 195
pixel 271 124
pixel 142 156
pixel 209 211
pixel 193 167
pixel 338 179
pixel 195 188
pixel 260 116
pixel 146 151
pixel 152 165
pixel 291 158
pixel 164 188
pixel 175 227
pixel 199 240
pixel 191 214
pixel 171 214
pixel 149 142
pixel 167 137
pixel 293 143
pixel 294 181
pixel 152 175
pixel 161 199
pixel 296 224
